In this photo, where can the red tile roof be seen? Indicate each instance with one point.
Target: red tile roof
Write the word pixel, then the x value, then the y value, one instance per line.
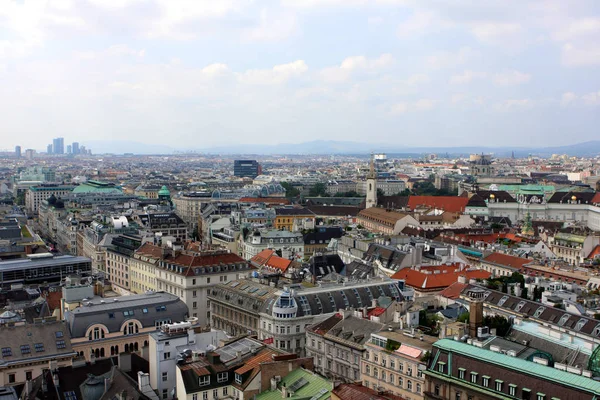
pixel 595 252
pixel 446 203
pixel 53 299
pixel 377 311
pixel 505 259
pixel 453 291
pixel 263 356
pixel 430 278
pixel 596 198
pixel 268 258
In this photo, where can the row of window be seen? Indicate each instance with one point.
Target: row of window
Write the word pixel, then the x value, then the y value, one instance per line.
pixel 497 385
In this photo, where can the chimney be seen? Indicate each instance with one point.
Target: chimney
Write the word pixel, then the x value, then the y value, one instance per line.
pixel 125 362
pixel 28 388
pixel 284 391
pixel 238 355
pixel 374 303
pixel 143 380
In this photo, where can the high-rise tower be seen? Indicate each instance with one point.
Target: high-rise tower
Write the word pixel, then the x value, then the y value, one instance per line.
pixel 372 185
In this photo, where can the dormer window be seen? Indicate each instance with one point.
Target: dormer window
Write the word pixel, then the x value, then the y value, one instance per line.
pixel 539 312
pixel 580 324
pixel 238 379
pixel 204 380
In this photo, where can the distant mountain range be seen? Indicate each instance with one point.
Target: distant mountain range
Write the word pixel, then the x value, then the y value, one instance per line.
pixel 325 147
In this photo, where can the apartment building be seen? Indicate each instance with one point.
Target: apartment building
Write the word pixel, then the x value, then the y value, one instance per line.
pixel 280 316
pixel 185 273
pixel 338 345
pixel 28 349
pixel 105 327
pixel 394 362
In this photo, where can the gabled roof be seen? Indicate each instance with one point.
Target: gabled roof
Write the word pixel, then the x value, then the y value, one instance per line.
pixel 506 260
pixel 268 258
pixel 595 252
pixel 437 277
pixel 446 203
pixel 453 291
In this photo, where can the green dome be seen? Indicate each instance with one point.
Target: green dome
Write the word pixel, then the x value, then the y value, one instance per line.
pixel 164 191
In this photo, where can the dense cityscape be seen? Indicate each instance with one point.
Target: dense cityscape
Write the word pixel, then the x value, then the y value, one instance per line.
pixel 299 200
pixel 365 276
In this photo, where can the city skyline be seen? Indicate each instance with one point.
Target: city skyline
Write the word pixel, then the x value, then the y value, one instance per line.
pixel 209 74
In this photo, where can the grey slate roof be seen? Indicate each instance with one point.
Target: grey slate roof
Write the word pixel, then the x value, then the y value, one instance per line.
pixel 34 342
pixel 110 312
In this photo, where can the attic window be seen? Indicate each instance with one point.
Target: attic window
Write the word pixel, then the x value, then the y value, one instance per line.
pixel 39 347
pixel 519 306
pixel 580 324
pixel 502 300
pixel 25 349
pixel 563 319
pixel 539 312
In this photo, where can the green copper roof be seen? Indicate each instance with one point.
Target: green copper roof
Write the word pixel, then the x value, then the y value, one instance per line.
pixel 92 186
pixel 164 191
pixel 520 365
pixel 315 385
pixel 527 189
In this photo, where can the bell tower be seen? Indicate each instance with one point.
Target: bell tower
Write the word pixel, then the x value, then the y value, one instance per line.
pixel 372 185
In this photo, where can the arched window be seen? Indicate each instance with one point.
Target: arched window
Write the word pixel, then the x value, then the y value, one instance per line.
pixel 131 328
pixel 96 333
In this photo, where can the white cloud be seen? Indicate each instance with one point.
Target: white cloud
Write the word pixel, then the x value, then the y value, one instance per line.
pixel 495 32
pixel 215 69
pixel 466 77
pixel 591 99
pixel 417 79
pixel 568 98
pixel 421 22
pixel 514 104
pixel 272 27
pixel 418 105
pixel 424 104
pixel 450 59
pixel 582 56
pixel 509 78
pixel 277 75
pixel 399 108
pixel 375 20
pixel 354 64
pixel 578 28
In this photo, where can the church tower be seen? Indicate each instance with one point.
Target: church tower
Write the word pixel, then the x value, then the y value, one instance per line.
pixel 372 185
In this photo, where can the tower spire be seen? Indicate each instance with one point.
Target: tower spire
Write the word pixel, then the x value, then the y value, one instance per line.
pixel 372 167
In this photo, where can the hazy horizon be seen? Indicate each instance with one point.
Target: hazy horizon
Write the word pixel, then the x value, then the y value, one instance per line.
pixel 200 74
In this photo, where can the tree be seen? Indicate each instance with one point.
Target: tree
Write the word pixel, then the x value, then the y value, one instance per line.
pixel 498 322
pixel 524 293
pixel 319 189
pixel 290 191
pixel 464 317
pixel 405 192
pixel 380 193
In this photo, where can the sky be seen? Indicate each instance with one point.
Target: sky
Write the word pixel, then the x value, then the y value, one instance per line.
pixel 192 74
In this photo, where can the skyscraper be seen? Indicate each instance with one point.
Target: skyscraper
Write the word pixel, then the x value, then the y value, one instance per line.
pixel 69 150
pixel 49 149
pixel 18 151
pixel 75 147
pixel 58 145
pixel 246 168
